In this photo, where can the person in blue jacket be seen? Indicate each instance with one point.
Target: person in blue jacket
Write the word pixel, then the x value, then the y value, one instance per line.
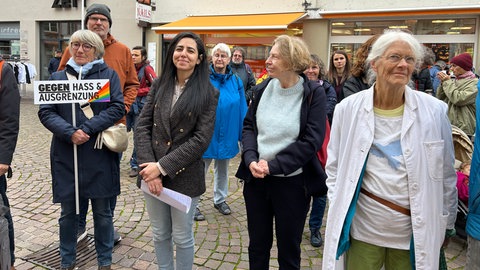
pixel 98 169
pixel 473 217
pixel 231 110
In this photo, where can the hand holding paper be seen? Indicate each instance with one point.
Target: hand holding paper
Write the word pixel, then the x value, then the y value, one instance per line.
pixel 178 200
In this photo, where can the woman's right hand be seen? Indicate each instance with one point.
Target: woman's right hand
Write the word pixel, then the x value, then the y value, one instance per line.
pixel 256 170
pixel 79 137
pixel 443 76
pixel 155 186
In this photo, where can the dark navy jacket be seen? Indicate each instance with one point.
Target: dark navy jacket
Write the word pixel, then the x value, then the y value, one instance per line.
pixel 98 169
pixel 301 153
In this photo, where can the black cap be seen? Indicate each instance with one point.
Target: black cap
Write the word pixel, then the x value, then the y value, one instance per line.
pixel 98 9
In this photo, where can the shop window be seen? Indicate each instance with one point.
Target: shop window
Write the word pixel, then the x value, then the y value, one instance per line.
pixel 461 26
pixel 457 34
pixel 54 35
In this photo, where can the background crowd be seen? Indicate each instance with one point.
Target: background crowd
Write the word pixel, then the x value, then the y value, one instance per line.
pixel 392 100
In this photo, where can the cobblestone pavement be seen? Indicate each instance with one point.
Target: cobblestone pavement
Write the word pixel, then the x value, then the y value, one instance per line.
pixel 221 241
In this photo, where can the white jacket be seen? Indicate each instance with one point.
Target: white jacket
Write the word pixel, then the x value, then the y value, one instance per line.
pixel 426 141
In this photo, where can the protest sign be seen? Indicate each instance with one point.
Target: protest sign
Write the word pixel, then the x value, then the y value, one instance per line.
pixel 71 91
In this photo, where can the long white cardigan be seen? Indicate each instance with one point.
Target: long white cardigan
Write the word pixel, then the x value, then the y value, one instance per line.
pixel 427 147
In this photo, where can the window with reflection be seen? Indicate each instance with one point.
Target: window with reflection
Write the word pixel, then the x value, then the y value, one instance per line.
pixel 458 34
pixel 462 26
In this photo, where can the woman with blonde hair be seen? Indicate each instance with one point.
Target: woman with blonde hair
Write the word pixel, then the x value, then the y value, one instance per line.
pixel 283 130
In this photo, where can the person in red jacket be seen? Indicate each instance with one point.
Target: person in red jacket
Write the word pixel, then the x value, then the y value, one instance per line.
pixel 146 75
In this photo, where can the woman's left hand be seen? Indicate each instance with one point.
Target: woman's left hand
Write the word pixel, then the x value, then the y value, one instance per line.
pixel 264 165
pixel 149 171
pixel 155 186
pixel 443 76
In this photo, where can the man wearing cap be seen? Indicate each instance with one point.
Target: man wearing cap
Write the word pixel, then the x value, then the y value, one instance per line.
pixel 118 57
pixel 460 92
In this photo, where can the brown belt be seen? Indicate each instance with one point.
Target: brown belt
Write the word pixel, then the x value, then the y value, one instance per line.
pixel 388 204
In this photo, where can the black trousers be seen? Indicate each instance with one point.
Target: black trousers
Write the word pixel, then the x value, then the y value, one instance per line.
pixel 279 199
pixel 8 216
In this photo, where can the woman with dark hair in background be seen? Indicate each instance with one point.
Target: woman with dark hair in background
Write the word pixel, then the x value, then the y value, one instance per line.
pixel 316 72
pixel 358 79
pixel 173 131
pixel 338 72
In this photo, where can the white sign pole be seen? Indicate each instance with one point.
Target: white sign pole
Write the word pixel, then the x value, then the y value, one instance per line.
pixel 83 17
pixel 75 154
pixel 75 165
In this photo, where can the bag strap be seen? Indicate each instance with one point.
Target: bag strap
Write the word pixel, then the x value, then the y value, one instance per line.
pixel 387 203
pixel 87 110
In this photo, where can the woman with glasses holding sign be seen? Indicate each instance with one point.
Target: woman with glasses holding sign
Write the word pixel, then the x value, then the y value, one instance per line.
pixel 391 181
pixel 98 169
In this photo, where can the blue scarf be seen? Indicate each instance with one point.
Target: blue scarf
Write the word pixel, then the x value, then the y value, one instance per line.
pixel 85 68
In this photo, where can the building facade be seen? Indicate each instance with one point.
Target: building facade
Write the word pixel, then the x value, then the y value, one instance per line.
pixel 327 26
pixel 32 30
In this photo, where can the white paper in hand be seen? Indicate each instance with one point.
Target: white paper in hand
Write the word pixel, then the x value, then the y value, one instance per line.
pixel 178 200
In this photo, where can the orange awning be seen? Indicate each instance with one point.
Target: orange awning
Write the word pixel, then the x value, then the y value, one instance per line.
pixel 275 23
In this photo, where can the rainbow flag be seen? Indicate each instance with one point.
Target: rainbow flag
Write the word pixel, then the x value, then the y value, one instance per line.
pixel 103 95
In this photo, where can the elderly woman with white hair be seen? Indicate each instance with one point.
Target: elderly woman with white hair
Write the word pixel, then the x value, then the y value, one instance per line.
pixel 231 110
pixel 98 169
pixel 391 177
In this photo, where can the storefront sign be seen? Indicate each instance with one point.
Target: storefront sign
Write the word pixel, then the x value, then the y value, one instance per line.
pixel 65 3
pixel 144 13
pixel 9 31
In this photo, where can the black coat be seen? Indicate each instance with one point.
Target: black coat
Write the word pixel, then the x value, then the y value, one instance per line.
pixel 98 169
pixel 354 85
pixel 422 80
pixel 300 154
pixel 9 114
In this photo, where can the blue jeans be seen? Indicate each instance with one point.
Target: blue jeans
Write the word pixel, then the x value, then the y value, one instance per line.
pixel 8 216
pixel 103 229
pixel 82 219
pixel 220 178
pixel 171 226
pixel 133 159
pixel 317 212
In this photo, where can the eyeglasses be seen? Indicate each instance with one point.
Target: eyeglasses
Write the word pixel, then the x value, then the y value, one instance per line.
pixel 96 19
pixel 223 56
pixel 395 59
pixel 237 55
pixel 85 46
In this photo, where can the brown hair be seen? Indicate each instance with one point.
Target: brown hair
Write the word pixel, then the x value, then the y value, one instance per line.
pixel 332 71
pixel 360 65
